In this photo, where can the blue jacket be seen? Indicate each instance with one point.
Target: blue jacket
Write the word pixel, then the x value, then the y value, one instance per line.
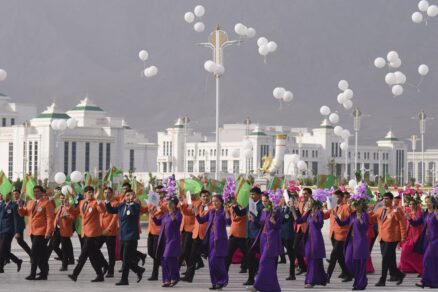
pixel 253 229
pixel 287 226
pixel 21 225
pixel 8 218
pixel 129 216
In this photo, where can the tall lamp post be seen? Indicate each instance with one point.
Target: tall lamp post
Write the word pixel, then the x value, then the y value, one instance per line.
pixel 186 121
pixel 356 114
pixel 422 118
pixel 217 41
pixel 413 140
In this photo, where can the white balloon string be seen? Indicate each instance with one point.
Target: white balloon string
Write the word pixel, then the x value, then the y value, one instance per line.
pixel 425 21
pixel 419 83
pixel 142 74
pixel 281 105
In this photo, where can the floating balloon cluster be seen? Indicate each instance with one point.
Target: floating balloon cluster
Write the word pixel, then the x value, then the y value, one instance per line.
pixel 425 12
pixel 266 47
pixel 326 112
pixel 346 95
pixel 150 71
pixel 3 75
pixel 282 94
pixel 344 134
pixel 212 67
pixel 244 31
pixel 189 17
pixel 395 79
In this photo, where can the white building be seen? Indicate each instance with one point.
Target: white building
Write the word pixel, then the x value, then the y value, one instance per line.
pixel 430 166
pixel 97 142
pixel 319 148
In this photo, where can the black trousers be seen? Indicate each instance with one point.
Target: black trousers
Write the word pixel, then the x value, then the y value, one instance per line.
pixel 54 243
pixel 152 250
pixel 389 260
pixel 337 255
pixel 289 245
pixel 195 257
pixel 110 242
pixel 89 250
pixel 129 248
pixel 252 261
pixel 23 244
pixel 233 244
pixel 186 246
pixel 5 247
pixel 298 241
pixel 39 256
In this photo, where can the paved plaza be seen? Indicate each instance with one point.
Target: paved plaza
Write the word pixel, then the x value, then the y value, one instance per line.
pixel 58 281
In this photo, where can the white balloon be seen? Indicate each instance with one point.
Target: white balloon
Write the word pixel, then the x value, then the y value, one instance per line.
pixel 199 27
pixel 400 78
pixel 272 46
pixel 352 183
pixel 3 75
pixel 219 70
pixel 348 93
pixel 423 69
pixel 235 153
pixel 343 146
pixel 210 66
pixel 390 78
pixel 302 165
pixel 54 124
pixel 72 123
pixel 65 190
pixel 262 41
pixel 423 5
pixel 288 96
pixel 76 176
pixel 147 72
pixel 279 92
pixel 432 11
pixel 240 29
pixel 294 158
pixel 199 10
pixel 348 104
pixel 396 63
pixel 189 17
pixel 345 134
pixel 62 124
pixel 250 32
pixel 247 145
pixel 153 70
pixel 338 130
pixel 379 62
pixel 143 55
pixel 59 178
pixel 343 85
pixel 392 56
pixel 417 17
pixel 324 110
pixel 397 90
pixel 334 118
pixel 263 50
pixel 341 98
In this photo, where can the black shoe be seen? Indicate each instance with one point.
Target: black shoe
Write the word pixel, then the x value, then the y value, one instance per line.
pixel 165 285
pixel 122 283
pixel 301 272
pixel 153 278
pixel 282 261
pixel 71 262
pixel 212 287
pixel 199 266
pixel 2 270
pixel 105 269
pixel 121 270
pixel 291 278
pixel 185 279
pixel 73 277
pixel 20 262
pixel 420 284
pixel 110 275
pixel 143 259
pixel 63 269
pixel 355 289
pixel 39 278
pixel 58 259
pixel 392 279
pixel 219 287
pixel 243 271
pixel 347 279
pixel 380 284
pixel 30 277
pixel 140 274
pixel 400 280
pixel 342 276
pixel 99 278
pixel 248 283
pixel 173 284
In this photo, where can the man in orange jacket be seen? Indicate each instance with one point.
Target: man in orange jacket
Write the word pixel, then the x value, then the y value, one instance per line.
pixel 90 211
pixel 392 230
pixel 187 226
pixel 300 229
pixel 41 215
pixel 237 237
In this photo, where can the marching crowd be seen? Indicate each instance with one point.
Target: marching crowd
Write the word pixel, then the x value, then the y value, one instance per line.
pixel 181 232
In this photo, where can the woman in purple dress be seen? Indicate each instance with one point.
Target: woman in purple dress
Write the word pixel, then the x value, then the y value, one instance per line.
pixel 429 219
pixel 216 239
pixel 170 236
pixel 314 248
pixel 271 246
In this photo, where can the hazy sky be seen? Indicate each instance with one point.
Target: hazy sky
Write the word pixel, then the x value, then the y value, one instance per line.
pixel 65 49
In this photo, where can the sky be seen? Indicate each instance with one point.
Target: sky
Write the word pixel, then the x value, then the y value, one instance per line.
pixel 64 50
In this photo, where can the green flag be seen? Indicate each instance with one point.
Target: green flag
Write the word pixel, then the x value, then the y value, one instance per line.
pixel 88 179
pixel 325 181
pixel 5 185
pixel 275 183
pixel 243 191
pixel 215 186
pixel 189 184
pixel 27 187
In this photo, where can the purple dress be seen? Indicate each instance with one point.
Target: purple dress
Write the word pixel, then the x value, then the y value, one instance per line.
pixel 314 248
pixel 216 235
pixel 171 236
pixel 270 248
pixel 429 276
pixel 356 249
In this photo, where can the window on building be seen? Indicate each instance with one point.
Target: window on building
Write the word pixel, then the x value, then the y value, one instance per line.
pixel 66 157
pixel 87 156
pixel 170 149
pixel 190 166
pixel 211 152
pixel 226 152
pixel 11 160
pixel 73 156
pixel 333 149
pixel 314 167
pixel 222 152
pixel 170 166
pixel 349 154
pixel 164 148
pixel 35 157
pixel 108 156
pixel 30 157
pixel 132 160
pixel 376 169
pixel 203 152
pixel 236 166
pixel 212 165
pixel 199 152
pixel 201 165
pixel 100 160
pixel 358 155
pixel 188 152
pixel 316 153
pixel 225 166
pixel 12 122
pixel 3 122
pixel 193 152
pixel 164 167
pixel 214 152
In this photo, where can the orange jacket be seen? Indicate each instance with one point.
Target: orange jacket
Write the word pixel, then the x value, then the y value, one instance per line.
pixel 41 215
pixel 200 229
pixel 301 227
pixel 90 212
pixel 393 226
pixel 339 232
pixel 65 220
pixel 238 224
pixel 188 219
pixel 108 221
pixel 153 228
